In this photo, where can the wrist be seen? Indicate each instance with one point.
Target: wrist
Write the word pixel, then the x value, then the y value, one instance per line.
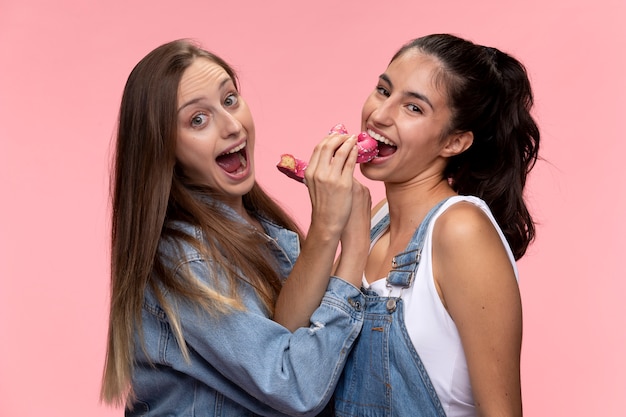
pixel 323 232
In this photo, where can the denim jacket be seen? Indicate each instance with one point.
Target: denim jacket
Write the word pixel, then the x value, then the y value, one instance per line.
pixel 242 363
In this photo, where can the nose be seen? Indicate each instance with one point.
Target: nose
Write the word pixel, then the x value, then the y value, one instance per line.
pixel 382 113
pixel 229 124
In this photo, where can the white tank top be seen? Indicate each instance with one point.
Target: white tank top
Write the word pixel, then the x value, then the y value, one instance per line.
pixel 435 335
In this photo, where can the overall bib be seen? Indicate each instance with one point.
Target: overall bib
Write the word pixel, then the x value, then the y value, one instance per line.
pixel 384 376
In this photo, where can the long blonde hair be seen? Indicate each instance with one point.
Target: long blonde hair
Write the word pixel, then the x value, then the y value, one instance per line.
pixel 149 191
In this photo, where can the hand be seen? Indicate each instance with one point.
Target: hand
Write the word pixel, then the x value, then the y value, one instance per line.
pixel 329 178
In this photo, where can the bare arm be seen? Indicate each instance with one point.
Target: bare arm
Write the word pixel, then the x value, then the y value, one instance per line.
pixel 329 178
pixel 355 241
pixel 355 238
pixel 478 287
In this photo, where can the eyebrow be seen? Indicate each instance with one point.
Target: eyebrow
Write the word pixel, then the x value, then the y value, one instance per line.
pixel 412 94
pixel 198 99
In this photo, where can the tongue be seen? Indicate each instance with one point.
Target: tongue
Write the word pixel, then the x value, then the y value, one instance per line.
pixel 230 162
pixel 385 150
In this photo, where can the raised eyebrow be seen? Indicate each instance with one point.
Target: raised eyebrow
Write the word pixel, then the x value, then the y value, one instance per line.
pixel 411 94
pixel 225 81
pixel 198 99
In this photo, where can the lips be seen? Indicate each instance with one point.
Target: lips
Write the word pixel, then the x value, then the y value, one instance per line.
pixel 385 146
pixel 234 160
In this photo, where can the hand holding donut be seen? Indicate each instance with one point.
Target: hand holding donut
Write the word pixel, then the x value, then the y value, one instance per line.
pixel 294 167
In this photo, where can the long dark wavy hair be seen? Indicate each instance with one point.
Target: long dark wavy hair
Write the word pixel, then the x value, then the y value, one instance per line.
pixel 489 94
pixel 149 193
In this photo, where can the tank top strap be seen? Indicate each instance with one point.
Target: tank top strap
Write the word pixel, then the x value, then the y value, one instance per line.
pixel 379 227
pixel 404 265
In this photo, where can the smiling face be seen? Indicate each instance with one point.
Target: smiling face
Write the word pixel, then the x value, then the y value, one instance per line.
pixel 408 114
pixel 215 131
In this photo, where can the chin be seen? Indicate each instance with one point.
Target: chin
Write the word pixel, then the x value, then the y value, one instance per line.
pixel 248 184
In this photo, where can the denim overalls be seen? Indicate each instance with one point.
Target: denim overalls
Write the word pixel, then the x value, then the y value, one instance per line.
pixel 384 375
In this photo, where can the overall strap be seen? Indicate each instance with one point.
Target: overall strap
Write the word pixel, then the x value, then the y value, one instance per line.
pixel 404 265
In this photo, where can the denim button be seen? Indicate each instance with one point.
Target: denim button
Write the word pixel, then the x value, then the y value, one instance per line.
pixel 355 304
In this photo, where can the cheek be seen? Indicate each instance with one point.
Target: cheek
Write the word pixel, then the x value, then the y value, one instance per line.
pixel 249 124
pixel 185 160
pixel 192 152
pixel 183 151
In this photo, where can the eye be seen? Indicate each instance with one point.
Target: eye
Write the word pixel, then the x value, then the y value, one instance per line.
pixel 199 119
pixel 231 100
pixel 414 108
pixel 382 90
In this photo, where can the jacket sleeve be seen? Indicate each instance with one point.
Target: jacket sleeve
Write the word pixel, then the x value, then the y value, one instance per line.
pixel 261 364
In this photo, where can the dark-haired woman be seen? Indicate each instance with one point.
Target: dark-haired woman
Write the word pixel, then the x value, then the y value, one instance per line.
pixel 443 324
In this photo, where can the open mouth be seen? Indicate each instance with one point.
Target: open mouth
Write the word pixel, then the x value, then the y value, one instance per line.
pixel 235 160
pixel 385 146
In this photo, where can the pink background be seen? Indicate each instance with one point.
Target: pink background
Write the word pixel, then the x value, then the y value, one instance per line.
pixel 304 66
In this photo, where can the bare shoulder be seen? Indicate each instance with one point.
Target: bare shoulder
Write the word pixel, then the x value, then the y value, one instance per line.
pixel 467 246
pixel 462 222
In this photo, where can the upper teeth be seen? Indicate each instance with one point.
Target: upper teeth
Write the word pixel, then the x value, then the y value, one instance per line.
pixel 236 149
pixel 380 138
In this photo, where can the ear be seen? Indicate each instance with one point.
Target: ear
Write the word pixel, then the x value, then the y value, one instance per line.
pixel 457 143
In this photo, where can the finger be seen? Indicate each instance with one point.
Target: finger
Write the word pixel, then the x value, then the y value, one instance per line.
pixel 343 151
pixel 324 147
pixel 345 158
pixel 324 156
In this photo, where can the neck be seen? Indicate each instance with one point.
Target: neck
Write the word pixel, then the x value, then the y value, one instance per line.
pixel 238 207
pixel 410 202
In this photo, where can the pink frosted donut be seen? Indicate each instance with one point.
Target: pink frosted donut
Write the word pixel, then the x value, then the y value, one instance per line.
pixel 294 167
pixel 368 148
